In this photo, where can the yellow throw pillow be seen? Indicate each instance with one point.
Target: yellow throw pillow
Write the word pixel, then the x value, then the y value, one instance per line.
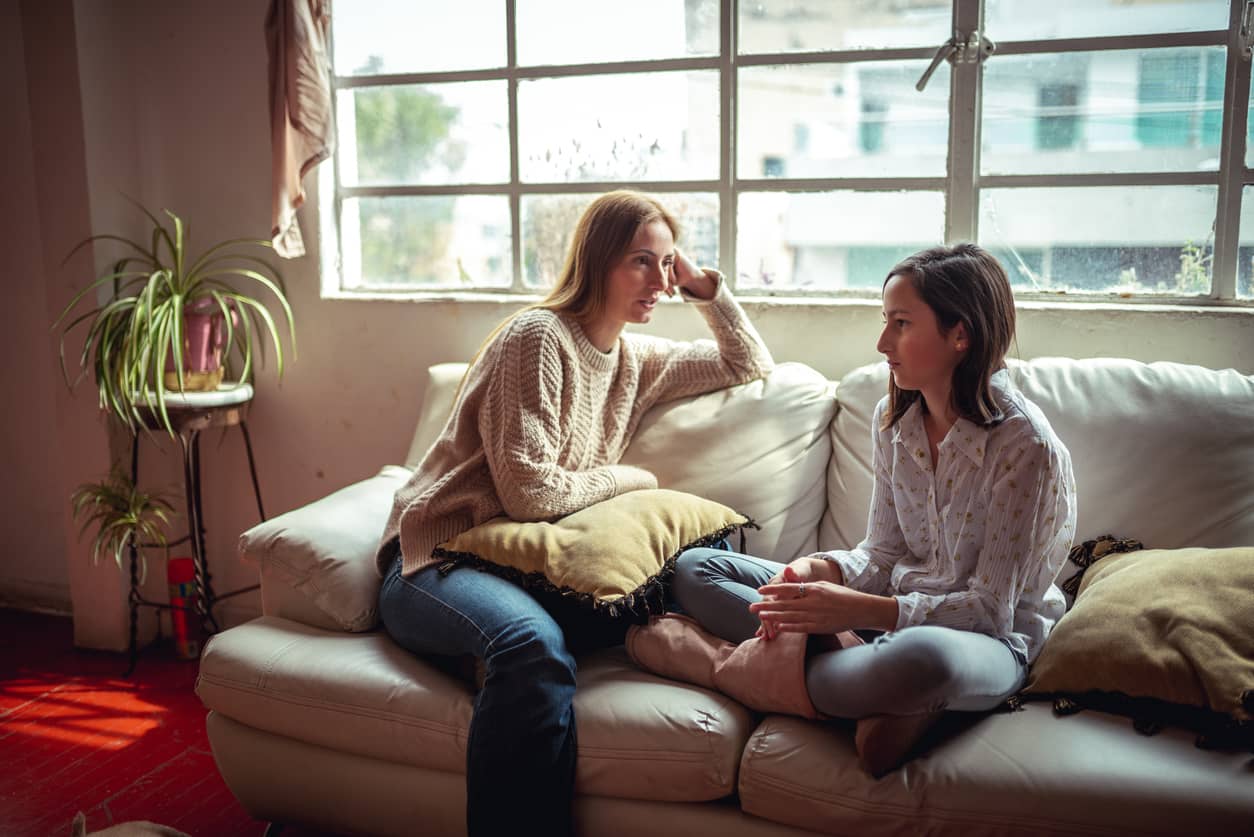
pixel 1169 625
pixel 614 556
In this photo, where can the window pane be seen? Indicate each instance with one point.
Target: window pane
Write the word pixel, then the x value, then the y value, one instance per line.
pixel 414 36
pixel 1030 20
pixel 1126 239
pixel 644 126
pixel 1245 253
pixel 1249 132
pixel 831 240
pixel 428 134
pixel 842 120
pixel 1111 111
pixel 446 242
pixel 593 31
pixel 548 223
pixel 814 25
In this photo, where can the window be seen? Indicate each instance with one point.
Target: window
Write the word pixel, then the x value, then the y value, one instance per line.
pixel 1091 150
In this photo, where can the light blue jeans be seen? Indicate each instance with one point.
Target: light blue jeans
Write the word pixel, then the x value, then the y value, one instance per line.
pixel 520 755
pixel 917 669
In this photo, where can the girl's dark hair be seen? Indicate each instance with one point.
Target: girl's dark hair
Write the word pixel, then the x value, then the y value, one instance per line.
pixel 962 284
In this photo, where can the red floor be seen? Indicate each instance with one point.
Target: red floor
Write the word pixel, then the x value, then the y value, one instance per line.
pixel 75 735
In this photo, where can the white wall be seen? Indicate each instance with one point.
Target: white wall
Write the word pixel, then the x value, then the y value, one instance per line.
pixel 183 123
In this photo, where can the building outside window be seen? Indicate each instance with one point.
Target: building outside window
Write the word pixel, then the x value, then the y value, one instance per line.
pixel 1086 151
pixel 1057 124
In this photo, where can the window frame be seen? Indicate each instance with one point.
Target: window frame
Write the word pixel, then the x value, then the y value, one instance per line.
pixel 961 185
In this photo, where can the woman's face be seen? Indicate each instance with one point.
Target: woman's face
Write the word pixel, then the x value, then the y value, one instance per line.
pixel 641 276
pixel 919 355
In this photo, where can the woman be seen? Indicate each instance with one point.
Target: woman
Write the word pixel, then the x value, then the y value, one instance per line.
pixel 542 418
pixel 972 513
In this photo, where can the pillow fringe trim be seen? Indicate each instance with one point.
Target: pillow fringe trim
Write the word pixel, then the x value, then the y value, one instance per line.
pixel 1214 730
pixel 1085 555
pixel 648 599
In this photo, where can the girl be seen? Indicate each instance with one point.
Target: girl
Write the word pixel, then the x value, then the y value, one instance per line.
pixel 543 416
pixel 972 513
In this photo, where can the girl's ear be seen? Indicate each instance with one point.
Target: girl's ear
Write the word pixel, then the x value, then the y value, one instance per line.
pixel 959 337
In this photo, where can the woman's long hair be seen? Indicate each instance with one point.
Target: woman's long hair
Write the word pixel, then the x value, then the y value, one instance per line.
pixel 602 236
pixel 962 284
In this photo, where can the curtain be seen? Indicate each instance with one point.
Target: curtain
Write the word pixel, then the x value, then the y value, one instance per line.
pixel 302 130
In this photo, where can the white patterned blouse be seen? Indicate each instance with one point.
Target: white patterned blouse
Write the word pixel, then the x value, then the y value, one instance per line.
pixel 976 543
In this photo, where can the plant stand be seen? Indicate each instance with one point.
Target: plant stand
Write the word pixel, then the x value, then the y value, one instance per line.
pixel 190 413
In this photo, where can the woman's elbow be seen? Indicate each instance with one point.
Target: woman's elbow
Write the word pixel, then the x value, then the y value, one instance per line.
pixel 527 507
pixel 754 369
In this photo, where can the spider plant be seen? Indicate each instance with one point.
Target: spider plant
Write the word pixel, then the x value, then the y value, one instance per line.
pixel 123 515
pixel 139 333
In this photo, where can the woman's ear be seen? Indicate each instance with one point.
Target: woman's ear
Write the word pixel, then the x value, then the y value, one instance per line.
pixel 959 337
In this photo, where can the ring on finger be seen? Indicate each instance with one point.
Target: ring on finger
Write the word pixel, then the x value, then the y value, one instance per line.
pixel 801 590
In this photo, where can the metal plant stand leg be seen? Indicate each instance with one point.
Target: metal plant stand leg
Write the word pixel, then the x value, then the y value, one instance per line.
pixel 209 597
pixel 195 521
pixel 261 515
pixel 252 468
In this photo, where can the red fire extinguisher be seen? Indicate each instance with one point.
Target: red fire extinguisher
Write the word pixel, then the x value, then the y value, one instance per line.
pixel 184 621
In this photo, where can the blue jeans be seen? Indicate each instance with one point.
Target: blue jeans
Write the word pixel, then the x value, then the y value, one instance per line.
pixel 917 669
pixel 520 756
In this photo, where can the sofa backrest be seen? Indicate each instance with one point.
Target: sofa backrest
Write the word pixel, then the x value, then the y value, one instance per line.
pixel 1162 452
pixel 761 448
pixel 443 379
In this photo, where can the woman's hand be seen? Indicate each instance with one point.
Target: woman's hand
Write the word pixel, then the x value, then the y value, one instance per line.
pixel 687 275
pixel 819 607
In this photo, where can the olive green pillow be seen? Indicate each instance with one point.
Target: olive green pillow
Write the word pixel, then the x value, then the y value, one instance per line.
pixel 615 556
pixel 1170 625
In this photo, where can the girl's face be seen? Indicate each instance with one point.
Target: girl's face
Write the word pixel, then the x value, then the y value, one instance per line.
pixel 919 355
pixel 641 276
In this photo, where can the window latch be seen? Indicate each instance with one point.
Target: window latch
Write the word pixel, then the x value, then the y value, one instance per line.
pixel 1247 29
pixel 961 50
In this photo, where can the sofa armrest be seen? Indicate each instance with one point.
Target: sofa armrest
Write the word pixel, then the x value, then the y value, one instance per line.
pixel 317 562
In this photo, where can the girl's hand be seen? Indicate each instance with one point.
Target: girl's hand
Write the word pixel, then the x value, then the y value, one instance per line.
pixel 796 570
pixel 808 568
pixel 687 275
pixel 819 607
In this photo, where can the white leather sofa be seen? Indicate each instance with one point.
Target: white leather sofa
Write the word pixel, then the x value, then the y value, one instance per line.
pixel 317 717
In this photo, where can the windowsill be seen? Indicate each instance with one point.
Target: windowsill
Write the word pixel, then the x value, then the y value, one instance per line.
pixel 1030 302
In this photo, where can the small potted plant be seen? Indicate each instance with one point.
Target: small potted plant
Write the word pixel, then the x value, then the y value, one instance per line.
pixel 171 321
pixel 124 517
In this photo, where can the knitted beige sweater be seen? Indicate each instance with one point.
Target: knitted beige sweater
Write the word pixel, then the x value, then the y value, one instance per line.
pixel 544 416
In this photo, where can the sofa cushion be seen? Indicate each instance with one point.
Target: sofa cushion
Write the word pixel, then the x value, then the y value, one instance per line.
pixel 1162 452
pixel 1025 772
pixel 639 736
pixel 760 448
pixel 317 562
pixel 612 556
pixel 849 476
pixel 1174 625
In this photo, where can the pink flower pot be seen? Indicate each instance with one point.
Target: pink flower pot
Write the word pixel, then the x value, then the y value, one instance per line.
pixel 204 336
